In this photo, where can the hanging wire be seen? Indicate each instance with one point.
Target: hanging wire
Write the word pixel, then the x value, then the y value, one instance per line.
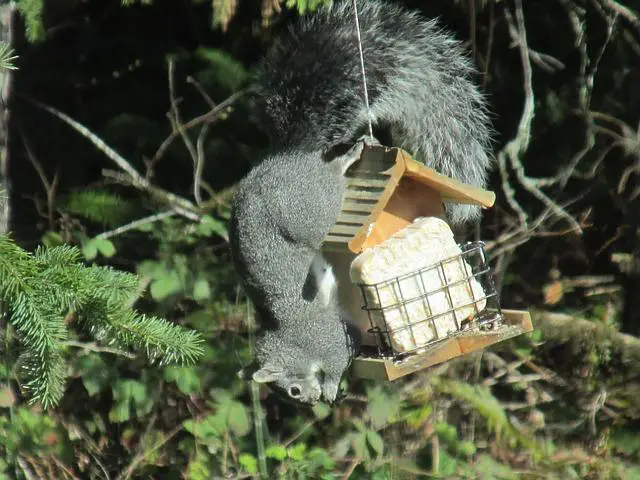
pixel 364 76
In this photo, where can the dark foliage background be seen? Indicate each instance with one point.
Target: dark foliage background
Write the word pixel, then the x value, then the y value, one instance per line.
pixel 563 79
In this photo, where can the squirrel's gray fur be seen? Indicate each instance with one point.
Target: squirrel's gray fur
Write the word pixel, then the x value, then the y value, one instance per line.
pixel 281 213
pixel 419 81
pixel 422 99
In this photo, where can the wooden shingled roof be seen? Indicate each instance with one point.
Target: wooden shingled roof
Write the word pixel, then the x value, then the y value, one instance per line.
pixel 386 190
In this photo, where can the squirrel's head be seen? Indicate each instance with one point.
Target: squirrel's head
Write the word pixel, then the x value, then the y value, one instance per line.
pixel 304 366
pixel 302 383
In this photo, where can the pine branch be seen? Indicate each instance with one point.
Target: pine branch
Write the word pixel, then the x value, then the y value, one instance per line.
pixel 14 267
pixel 41 289
pixel 157 337
pixel 7 56
pixel 100 206
pixel 46 374
pixel 31 11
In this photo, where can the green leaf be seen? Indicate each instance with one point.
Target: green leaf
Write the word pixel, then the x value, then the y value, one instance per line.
pixel 320 458
pixel 488 469
pixel 52 239
pixel 249 463
pixel 105 247
pixel 100 206
pixel 186 378
pixel 145 227
pixel 208 428
pixel 359 444
pixel 297 451
pixel 224 70
pixel 418 416
pixel 381 407
pixel 166 286
pixel 201 289
pixel 198 468
pixel 238 419
pixel 448 464
pixel 446 432
pixel 120 412
pixel 375 442
pixel 359 424
pixel 128 393
pixel 209 226
pixel 94 372
pixel 277 452
pixel 151 268
pixel 321 410
pixel 466 448
pixel 90 250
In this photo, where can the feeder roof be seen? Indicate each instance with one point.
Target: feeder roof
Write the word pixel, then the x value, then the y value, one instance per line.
pixel 376 178
pixel 451 190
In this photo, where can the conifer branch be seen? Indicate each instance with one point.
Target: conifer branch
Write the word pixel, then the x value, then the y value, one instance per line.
pixel 42 288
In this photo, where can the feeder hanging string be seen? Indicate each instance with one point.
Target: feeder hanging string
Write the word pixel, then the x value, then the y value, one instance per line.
pixel 364 76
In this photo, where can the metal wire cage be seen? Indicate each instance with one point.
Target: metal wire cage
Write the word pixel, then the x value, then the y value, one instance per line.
pixel 413 313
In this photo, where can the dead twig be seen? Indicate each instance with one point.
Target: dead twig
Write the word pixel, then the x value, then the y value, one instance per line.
pixel 208 117
pixel 137 223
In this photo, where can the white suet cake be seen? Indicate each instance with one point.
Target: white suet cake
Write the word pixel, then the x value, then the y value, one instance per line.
pixel 416 274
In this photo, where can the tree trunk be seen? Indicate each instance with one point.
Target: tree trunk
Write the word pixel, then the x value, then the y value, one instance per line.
pixel 7 20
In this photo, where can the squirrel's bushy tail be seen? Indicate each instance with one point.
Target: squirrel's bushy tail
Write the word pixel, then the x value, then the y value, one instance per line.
pixel 420 86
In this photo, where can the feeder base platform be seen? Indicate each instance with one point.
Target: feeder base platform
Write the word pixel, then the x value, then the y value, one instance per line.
pixel 516 322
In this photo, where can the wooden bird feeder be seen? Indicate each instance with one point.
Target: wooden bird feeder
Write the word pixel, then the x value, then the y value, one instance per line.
pixel 386 191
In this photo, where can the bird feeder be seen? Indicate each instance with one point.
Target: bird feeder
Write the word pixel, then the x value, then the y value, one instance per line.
pixel 442 302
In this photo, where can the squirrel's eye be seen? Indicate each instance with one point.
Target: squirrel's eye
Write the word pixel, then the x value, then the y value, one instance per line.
pixel 294 391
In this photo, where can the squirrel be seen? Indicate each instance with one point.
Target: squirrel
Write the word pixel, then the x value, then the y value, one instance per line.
pixel 422 99
pixel 276 232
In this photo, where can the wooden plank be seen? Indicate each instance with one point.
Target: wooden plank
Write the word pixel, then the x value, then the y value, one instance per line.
pixel 335 245
pixel 376 173
pixel 371 368
pixel 353 217
pixel 359 206
pixel 355 245
pixel 345 229
pixel 363 194
pixel 358 182
pixel 448 350
pixel 409 201
pixel 450 189
pixel 375 159
pixel 517 322
pixel 337 237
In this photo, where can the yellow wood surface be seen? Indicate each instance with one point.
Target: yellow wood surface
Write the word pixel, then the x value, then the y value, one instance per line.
pixel 408 201
pixel 450 189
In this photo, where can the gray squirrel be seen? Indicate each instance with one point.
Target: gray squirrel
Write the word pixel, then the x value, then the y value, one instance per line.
pixel 281 213
pixel 422 99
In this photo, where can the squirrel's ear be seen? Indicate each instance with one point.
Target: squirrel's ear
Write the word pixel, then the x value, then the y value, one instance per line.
pixel 267 374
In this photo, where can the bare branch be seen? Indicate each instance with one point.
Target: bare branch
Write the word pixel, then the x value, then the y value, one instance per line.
pixel 208 117
pixel 137 223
